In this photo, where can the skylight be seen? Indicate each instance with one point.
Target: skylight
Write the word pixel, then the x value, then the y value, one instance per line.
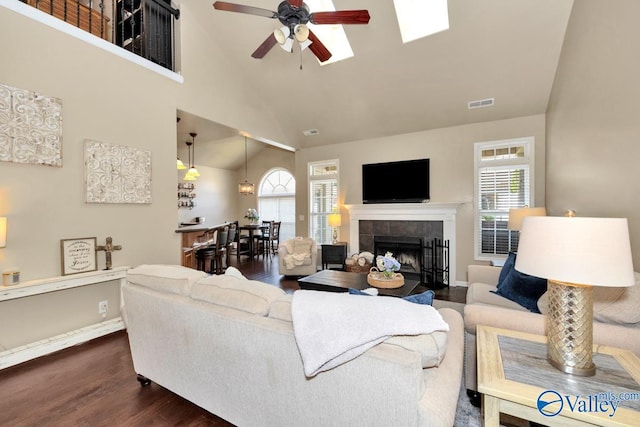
pixel 421 18
pixel 332 36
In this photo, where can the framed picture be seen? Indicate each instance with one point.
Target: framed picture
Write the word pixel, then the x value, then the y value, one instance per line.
pixel 78 255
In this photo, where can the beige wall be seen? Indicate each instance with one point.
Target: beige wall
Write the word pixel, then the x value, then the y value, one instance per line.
pixel 215 199
pixel 109 99
pixel 593 119
pixel 257 166
pixel 451 168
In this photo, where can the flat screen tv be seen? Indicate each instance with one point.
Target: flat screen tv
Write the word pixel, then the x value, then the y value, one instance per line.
pixel 406 181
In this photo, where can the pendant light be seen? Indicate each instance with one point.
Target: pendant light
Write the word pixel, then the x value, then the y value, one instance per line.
pixel 245 187
pixel 192 168
pixel 188 176
pixel 179 163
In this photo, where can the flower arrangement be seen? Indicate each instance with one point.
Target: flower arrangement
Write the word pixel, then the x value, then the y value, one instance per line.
pixel 252 215
pixel 387 264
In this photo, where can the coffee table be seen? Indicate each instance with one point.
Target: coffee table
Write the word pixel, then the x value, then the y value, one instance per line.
pixel 516 379
pixel 341 281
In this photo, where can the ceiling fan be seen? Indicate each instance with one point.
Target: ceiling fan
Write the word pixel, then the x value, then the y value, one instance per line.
pixel 294 16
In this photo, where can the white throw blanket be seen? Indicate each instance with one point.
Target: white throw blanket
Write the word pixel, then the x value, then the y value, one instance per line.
pixel 332 328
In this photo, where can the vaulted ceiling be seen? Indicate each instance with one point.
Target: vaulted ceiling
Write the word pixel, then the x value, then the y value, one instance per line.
pixel 502 49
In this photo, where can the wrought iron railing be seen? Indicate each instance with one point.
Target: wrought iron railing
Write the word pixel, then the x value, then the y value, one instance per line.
pixel 144 27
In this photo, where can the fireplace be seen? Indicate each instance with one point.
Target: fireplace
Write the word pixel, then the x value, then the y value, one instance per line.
pixel 404 222
pixel 407 250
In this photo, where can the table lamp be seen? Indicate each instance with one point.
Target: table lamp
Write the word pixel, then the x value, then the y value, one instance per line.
pixel 574 254
pixel 335 221
pixel 517 216
pixel 3 232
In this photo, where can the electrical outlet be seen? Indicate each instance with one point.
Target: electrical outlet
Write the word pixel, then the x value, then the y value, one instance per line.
pixel 103 307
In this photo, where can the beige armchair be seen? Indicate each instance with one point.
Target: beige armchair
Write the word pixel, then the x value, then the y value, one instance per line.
pixel 298 257
pixel 616 317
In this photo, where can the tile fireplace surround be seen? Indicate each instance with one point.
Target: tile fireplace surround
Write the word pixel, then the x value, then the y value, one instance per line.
pixel 444 212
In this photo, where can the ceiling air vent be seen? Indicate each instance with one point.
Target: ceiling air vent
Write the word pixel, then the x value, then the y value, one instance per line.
pixel 481 103
pixel 311 132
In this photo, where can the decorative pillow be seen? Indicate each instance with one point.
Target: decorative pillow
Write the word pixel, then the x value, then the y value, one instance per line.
pixel 610 305
pixel 246 295
pixel 173 279
pixel 425 298
pixel 519 287
pixel 507 268
pixel 234 272
pixel 281 308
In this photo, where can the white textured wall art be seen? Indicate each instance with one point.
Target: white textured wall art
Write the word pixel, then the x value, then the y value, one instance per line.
pixel 30 127
pixel 117 174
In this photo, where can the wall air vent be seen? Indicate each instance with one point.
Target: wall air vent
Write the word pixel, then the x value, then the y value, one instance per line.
pixel 488 102
pixel 311 132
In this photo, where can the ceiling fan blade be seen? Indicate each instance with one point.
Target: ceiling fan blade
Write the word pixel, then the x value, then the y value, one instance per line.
pixel 265 47
pixel 318 49
pixel 340 17
pixel 233 7
pixel 296 3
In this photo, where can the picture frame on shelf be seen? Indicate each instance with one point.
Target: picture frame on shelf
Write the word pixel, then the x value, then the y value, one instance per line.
pixel 78 255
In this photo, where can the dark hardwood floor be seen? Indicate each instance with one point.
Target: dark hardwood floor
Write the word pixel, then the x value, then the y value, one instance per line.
pixel 94 384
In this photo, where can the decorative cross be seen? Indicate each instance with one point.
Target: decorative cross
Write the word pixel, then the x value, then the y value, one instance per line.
pixel 108 248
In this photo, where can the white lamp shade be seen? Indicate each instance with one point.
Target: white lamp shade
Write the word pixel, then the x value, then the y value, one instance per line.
pixel 301 32
pixel 188 177
pixel 305 44
pixel 516 216
pixel 180 165
pixel 3 232
pixel 586 251
pixel 335 220
pixel 287 45
pixel 281 34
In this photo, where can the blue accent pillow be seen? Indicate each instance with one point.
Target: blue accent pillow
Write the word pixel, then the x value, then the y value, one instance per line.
pixel 425 298
pixel 521 288
pixel 507 268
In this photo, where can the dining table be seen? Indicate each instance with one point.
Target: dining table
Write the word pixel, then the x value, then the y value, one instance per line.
pixel 252 229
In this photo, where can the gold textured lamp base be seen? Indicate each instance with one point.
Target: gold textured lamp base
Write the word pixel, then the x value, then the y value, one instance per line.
pixel 570 328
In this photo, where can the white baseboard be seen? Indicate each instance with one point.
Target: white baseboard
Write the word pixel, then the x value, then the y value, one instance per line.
pixel 46 346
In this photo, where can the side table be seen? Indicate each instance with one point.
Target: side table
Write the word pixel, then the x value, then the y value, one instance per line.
pixel 516 379
pixel 334 254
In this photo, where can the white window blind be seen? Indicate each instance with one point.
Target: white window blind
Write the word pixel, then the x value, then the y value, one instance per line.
pixel 503 181
pixel 323 199
pixel 276 201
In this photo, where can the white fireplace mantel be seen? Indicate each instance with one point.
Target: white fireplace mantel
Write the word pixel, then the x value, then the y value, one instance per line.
pixel 445 212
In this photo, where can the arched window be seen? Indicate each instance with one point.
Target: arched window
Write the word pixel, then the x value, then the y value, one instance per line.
pixel 277 201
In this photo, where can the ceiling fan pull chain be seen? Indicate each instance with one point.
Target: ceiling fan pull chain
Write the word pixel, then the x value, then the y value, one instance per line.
pixel 300 58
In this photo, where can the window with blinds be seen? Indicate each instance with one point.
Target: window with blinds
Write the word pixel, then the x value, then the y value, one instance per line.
pixel 323 199
pixel 503 171
pixel 276 201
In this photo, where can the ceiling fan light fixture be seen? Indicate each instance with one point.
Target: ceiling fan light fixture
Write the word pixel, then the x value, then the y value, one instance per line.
pixel 281 34
pixel 301 32
pixel 305 44
pixel 288 45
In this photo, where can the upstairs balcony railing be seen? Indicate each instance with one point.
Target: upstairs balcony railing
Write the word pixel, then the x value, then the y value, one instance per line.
pixel 144 27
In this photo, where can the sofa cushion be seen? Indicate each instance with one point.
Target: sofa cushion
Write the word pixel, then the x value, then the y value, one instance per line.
pixel 281 308
pixel 610 305
pixel 173 279
pixel 481 293
pixel 431 347
pixel 519 287
pixel 246 295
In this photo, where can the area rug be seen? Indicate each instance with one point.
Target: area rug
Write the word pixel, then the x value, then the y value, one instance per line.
pixel 467 415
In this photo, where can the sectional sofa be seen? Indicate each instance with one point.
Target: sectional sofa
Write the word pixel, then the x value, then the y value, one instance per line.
pixel 227 344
